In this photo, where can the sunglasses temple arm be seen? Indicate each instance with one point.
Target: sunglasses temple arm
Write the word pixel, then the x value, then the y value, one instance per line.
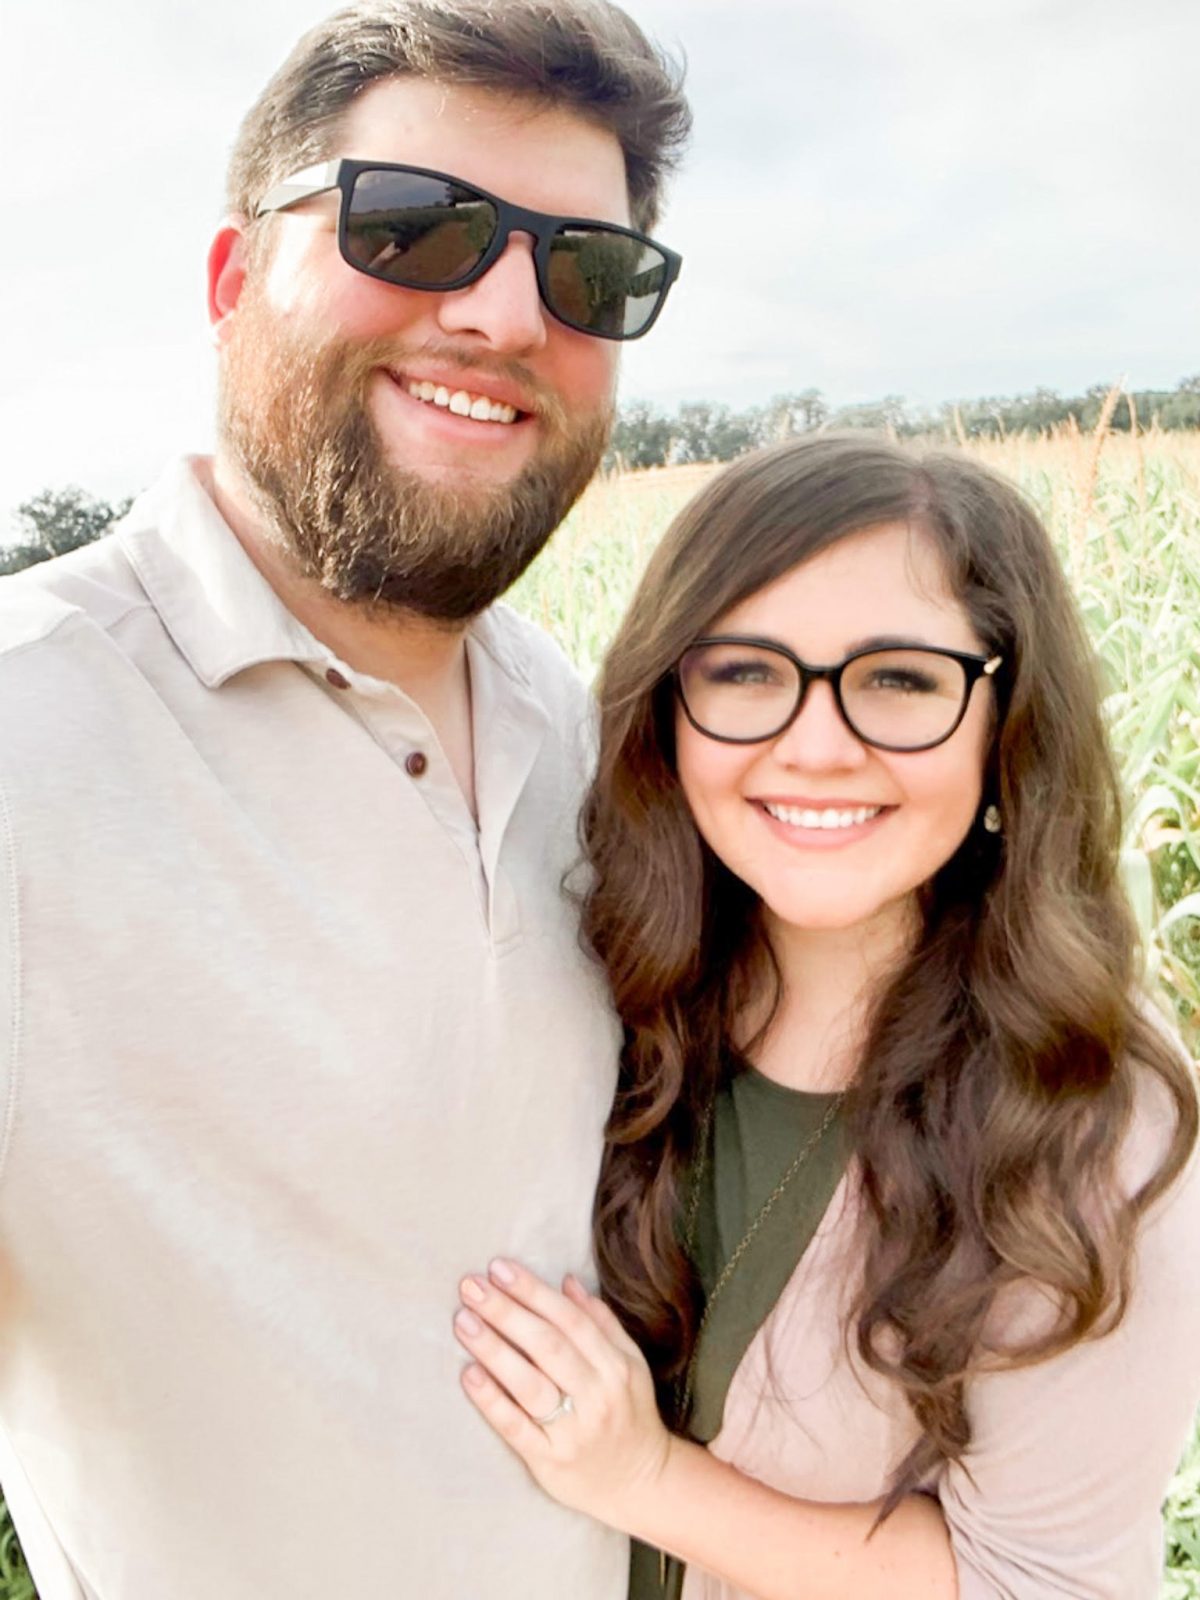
pixel 302 186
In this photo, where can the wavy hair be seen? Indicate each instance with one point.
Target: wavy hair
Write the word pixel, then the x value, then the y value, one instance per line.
pixel 997 1082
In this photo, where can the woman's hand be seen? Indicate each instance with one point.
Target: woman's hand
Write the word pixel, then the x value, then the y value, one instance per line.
pixel 609 1455
pixel 600 1444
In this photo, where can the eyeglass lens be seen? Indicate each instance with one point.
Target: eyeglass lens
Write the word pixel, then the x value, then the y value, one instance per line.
pixel 428 233
pixel 903 698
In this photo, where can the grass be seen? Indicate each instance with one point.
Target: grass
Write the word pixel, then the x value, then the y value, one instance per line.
pixel 1125 515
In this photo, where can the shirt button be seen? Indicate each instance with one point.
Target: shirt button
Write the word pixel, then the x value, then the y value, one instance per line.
pixel 416 763
pixel 337 679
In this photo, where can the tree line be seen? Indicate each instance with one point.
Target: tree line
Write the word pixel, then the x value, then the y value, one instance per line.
pixel 702 430
pixel 59 520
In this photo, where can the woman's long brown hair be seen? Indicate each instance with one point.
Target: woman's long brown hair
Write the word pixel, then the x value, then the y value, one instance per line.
pixel 998 1079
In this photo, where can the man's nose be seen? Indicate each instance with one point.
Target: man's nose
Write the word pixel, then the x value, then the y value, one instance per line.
pixel 504 307
pixel 819 738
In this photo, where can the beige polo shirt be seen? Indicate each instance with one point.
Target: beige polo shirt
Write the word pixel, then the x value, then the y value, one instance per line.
pixel 287 1044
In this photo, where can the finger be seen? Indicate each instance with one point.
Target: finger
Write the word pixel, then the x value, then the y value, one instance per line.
pixel 535 1392
pixel 525 1287
pixel 547 1347
pixel 503 1414
pixel 602 1315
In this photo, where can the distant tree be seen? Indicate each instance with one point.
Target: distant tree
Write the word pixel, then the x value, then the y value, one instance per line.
pixel 705 430
pixel 786 415
pixel 1039 411
pixel 888 413
pixel 56 521
pixel 709 432
pixel 1178 410
pixel 734 432
pixel 642 437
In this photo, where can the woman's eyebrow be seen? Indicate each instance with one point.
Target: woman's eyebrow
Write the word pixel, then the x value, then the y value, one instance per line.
pixel 892 641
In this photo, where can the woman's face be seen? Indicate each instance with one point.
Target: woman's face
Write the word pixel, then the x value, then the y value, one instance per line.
pixel 885 583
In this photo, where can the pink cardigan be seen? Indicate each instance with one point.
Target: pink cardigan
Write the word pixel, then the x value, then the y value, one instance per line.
pixel 1060 1493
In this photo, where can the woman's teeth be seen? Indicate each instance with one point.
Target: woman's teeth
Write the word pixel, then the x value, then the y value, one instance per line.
pixel 799 817
pixel 460 402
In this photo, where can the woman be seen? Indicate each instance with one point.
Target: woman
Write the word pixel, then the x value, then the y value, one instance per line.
pixel 896 1199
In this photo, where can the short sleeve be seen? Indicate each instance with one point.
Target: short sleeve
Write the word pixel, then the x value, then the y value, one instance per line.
pixel 1060 1494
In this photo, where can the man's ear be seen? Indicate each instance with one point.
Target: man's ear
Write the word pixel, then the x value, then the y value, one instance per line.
pixel 227 265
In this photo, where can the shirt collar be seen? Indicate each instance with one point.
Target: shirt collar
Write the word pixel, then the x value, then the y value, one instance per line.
pixel 220 611
pixel 218 608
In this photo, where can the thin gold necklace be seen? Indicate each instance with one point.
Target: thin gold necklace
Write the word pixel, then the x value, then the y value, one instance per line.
pixel 684 1386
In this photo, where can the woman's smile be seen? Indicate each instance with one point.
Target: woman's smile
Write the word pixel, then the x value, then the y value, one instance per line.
pixel 821 825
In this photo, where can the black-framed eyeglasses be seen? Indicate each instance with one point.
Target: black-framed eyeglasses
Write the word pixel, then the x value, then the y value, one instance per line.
pixel 427 230
pixel 743 690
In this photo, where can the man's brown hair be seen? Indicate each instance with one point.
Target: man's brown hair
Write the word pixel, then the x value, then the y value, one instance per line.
pixel 582 56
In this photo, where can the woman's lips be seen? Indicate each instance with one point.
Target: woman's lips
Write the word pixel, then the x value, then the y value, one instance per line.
pixel 824 827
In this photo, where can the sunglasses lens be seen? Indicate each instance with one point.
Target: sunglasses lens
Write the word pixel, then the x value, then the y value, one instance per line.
pixel 605 283
pixel 418 231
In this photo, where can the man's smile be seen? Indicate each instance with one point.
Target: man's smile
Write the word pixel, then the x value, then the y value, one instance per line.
pixel 461 401
pixel 459 393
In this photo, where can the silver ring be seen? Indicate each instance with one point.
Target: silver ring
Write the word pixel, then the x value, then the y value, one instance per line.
pixel 564 1408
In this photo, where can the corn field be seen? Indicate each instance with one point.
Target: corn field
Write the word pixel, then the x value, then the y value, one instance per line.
pixel 1125 514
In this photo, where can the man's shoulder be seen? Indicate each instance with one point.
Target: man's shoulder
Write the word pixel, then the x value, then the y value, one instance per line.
pixel 60 633
pixel 30 614
pixel 92 587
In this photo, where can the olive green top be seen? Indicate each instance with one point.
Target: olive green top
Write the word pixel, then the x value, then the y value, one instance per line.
pixel 758 1127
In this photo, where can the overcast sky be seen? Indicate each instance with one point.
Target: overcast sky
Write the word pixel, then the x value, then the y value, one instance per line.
pixel 966 198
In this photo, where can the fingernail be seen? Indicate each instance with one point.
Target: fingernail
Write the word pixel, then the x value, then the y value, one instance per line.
pixel 474 1376
pixel 502 1272
pixel 467 1323
pixel 471 1289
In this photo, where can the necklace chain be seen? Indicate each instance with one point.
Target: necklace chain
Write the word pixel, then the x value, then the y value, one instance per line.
pixel 684 1388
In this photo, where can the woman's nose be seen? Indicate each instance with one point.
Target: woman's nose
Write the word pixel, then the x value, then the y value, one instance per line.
pixel 819 736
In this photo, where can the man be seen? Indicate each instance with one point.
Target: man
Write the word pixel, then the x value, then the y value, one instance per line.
pixel 295 1026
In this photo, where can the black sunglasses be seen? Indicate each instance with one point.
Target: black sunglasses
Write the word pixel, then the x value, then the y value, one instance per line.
pixel 427 230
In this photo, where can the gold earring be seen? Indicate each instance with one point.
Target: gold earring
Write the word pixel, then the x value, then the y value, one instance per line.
pixel 991 819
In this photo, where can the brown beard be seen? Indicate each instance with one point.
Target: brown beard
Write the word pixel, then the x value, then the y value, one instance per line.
pixel 293 414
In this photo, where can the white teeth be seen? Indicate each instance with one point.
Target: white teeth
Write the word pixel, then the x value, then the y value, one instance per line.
pixel 803 817
pixel 476 406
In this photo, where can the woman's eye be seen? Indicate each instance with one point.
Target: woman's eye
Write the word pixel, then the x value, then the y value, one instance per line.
pixel 743 673
pixel 902 681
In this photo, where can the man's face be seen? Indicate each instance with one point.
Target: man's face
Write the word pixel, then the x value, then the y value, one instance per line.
pixel 381 495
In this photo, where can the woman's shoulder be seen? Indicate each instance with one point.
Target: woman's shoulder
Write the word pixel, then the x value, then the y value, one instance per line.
pixel 1164 1116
